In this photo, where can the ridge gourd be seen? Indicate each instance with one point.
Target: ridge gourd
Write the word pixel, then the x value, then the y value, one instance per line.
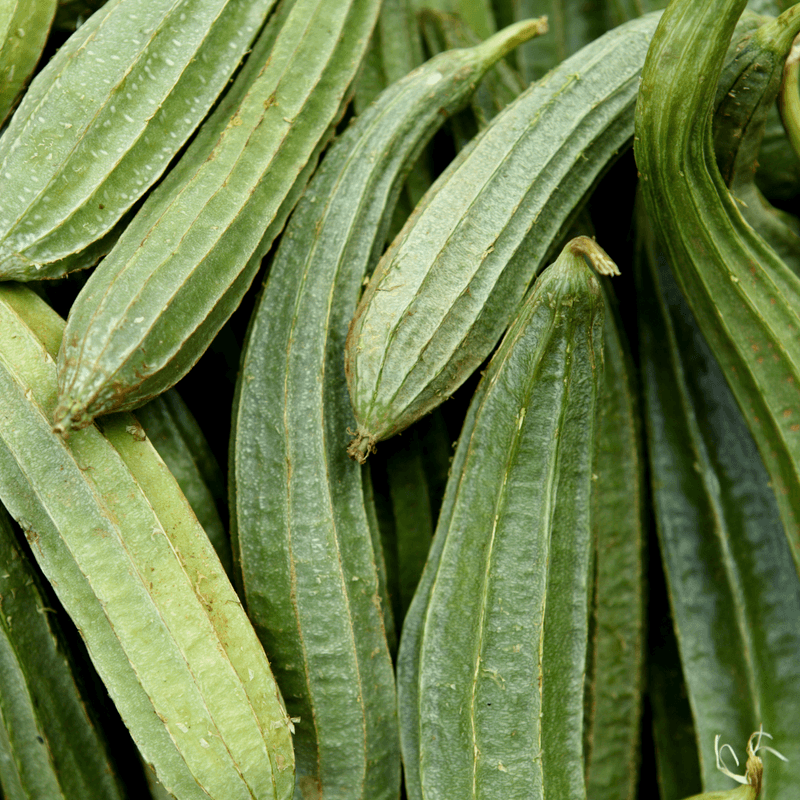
pixel 451 281
pixel 104 118
pixel 310 567
pixel 154 304
pixel 498 627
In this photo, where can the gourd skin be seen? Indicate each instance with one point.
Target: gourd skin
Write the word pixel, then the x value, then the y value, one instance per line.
pixel 116 538
pixel 450 283
pixel 181 268
pixel 50 744
pixel 101 122
pixel 310 564
pixel 615 669
pixel 746 94
pixel 745 299
pixel 491 661
pixel 24 27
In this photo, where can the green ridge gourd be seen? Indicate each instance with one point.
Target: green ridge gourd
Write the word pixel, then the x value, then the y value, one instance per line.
pixel 450 283
pixel 186 260
pixel 24 27
pixel 301 523
pixel 734 592
pixel 745 299
pixel 118 541
pixel 50 747
pixel 104 118
pixel 615 671
pixel 492 655
pixel 747 90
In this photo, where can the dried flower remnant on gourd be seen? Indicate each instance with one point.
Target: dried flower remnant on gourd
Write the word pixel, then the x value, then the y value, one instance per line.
pixel 754 769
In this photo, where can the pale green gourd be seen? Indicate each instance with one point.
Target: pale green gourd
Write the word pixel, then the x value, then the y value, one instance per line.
pixel 448 286
pixel 101 122
pixel 154 305
pixel 112 532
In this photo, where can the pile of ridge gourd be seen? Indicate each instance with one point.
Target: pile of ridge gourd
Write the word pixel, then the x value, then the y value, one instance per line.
pixel 481 478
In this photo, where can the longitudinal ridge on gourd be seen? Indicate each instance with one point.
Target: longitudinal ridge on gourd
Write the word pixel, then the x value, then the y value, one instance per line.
pixel 101 122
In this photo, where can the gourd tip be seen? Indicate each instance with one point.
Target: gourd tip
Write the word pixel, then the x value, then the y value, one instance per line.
pixel 361 446
pixel 69 417
pixel 602 263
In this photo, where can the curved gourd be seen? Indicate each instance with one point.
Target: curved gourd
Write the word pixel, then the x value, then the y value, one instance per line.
pixel 747 90
pixel 745 299
pixel 310 571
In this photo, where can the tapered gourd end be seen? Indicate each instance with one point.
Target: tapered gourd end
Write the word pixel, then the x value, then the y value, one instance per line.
pixel 70 416
pixel 16 267
pixel 362 444
pixel 598 258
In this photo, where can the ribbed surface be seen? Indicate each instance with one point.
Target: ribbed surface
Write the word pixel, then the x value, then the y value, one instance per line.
pixel 177 437
pixel 116 538
pixel 103 119
pixel 55 750
pixel 451 281
pixel 733 589
pixel 615 673
pixel 156 302
pixel 311 584
pixel 746 300
pixel 748 88
pixel 491 663
pixel 24 27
